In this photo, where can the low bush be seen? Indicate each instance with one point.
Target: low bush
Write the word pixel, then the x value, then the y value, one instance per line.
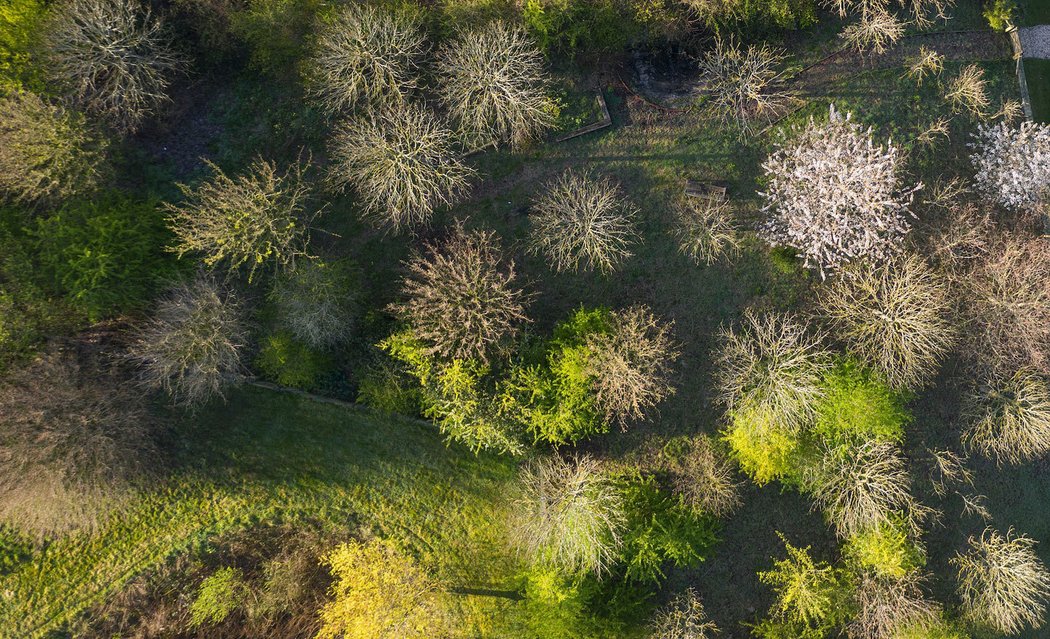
pixel 20 30
pixel 106 254
pixel 811 596
pixel 660 530
pixel 702 475
pixel 388 387
pixel 219 594
pixel 763 451
pixel 887 550
pixel 1000 13
pixel 553 398
pixel 288 362
pixel 856 406
pixel 275 32
pixel 317 301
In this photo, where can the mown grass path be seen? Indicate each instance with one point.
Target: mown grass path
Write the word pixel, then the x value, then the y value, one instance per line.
pixel 267 456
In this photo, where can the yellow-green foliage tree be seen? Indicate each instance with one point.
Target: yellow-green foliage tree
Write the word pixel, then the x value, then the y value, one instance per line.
pixel 379 592
pixel 811 596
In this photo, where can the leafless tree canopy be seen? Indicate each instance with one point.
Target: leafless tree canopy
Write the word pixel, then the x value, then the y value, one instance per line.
pixel 1008 417
pixel 922 11
pixel 835 195
pixel 191 348
pixel 317 302
pixel 876 31
pixel 705 229
pixel 705 478
pixel 365 54
pixel 772 367
pixel 1013 163
pixel 460 298
pixel 968 91
pixel 494 83
pixel 683 618
pixel 1003 584
pixel 113 56
pixel 582 220
pixel 252 220
pixel 740 83
pixel 569 515
pixel 403 164
pixel 895 317
pixel 925 62
pixel 46 152
pixel 862 487
pixel 1007 300
pixel 887 605
pixel 630 366
pixel 72 443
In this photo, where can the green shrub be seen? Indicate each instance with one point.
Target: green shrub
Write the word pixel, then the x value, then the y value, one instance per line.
pixel 20 22
pixel 554 605
pixel 387 387
pixel 661 529
pixel 571 27
pixel 554 399
pixel 219 595
pixel 276 31
pixel 810 595
pixel 763 451
pixel 1000 13
pixel 457 396
pixel 886 550
pixel 858 405
pixel 755 16
pixel 936 629
pixel 289 362
pixel 105 254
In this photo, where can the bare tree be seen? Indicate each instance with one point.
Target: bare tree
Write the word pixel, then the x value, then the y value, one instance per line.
pixel 46 152
pixel 836 196
pixel 255 219
pixel 493 81
pixel 926 62
pixel 317 302
pixel 113 56
pixel 569 515
pixel 1003 584
pixel 968 91
pixel 683 617
pixel 192 346
pixel 861 487
pixel 922 11
pixel 772 367
pixel 582 220
pixel 887 605
pixel 705 229
pixel 402 164
pixel 72 444
pixel 460 298
pixel 1013 164
pixel 740 86
pixel 365 54
pixel 704 478
pixel 895 317
pixel 876 31
pixel 1006 297
pixel 630 365
pixel 1008 417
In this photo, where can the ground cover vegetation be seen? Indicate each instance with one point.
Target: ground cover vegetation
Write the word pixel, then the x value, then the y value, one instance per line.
pixel 318 319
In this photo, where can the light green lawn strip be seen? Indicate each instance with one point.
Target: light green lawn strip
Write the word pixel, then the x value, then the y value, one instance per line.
pixel 276 457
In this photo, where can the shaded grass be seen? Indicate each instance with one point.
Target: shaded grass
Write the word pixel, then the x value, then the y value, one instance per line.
pixel 1034 12
pixel 1037 75
pixel 268 457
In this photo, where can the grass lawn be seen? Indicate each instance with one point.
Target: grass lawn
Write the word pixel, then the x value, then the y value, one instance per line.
pixel 1034 12
pixel 1037 75
pixel 267 456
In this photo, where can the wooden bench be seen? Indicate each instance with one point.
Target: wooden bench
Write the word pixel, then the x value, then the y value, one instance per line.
pixel 715 192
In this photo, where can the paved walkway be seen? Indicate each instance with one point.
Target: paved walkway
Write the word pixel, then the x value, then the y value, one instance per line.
pixel 1035 41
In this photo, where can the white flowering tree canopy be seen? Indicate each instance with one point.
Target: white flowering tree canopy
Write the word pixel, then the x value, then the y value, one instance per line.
pixel 1013 164
pixel 835 195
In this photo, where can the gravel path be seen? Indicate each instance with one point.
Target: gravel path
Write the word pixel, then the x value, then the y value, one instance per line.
pixel 1035 41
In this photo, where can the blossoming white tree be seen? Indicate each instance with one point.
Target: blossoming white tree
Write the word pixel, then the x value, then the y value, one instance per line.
pixel 1013 163
pixel 836 195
